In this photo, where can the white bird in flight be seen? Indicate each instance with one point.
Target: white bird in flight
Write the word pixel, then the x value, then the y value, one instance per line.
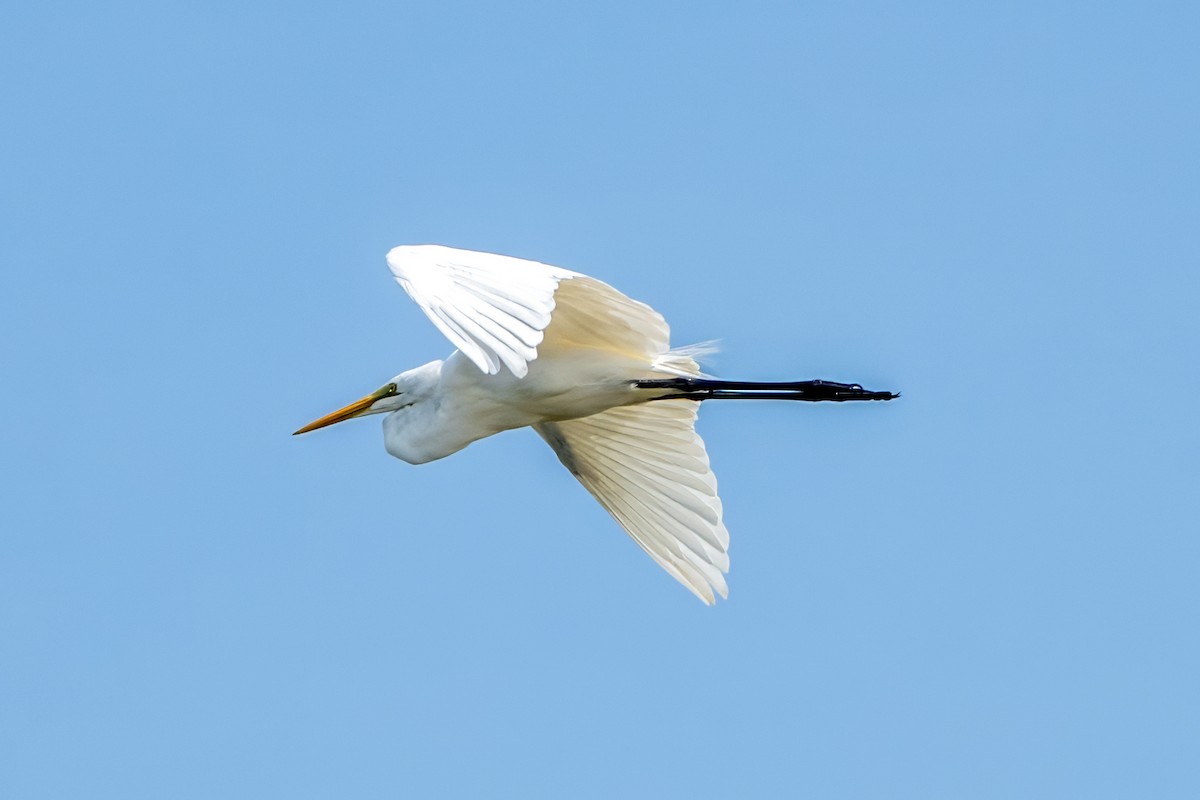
pixel 593 373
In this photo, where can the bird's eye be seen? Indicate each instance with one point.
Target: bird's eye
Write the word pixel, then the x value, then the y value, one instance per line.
pixel 391 388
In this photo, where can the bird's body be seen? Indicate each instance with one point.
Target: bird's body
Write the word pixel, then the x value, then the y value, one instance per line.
pixel 466 405
pixel 592 372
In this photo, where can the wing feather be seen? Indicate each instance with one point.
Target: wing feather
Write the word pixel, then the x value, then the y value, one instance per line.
pixel 450 329
pixel 643 518
pixel 493 308
pixel 647 467
pixel 499 311
pixel 621 484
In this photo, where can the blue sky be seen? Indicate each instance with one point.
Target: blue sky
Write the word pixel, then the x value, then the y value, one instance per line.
pixel 985 589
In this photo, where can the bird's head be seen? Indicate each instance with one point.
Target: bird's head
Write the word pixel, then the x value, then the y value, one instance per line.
pixel 404 390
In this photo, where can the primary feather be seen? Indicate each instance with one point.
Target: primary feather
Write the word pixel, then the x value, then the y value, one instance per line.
pixel 493 308
pixel 648 468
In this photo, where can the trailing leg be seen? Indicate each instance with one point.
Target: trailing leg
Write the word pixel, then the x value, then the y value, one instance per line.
pixel 809 391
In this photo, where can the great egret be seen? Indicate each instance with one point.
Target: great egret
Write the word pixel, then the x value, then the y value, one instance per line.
pixel 592 372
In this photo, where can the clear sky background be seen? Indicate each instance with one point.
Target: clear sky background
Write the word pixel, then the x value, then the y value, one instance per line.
pixel 987 589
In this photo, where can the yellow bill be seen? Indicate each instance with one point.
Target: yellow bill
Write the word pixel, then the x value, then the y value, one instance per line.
pixel 350 411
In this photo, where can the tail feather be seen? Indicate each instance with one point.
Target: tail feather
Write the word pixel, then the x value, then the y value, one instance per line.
pixel 685 361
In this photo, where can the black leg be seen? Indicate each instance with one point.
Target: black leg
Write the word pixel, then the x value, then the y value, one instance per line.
pixel 810 391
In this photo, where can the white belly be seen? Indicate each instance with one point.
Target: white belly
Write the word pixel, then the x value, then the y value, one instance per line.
pixel 557 387
pixel 469 405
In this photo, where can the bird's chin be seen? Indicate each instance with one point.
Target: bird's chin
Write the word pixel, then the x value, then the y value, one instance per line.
pixel 390 409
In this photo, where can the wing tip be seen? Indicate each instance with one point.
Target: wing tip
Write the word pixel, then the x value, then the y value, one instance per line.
pixel 706 591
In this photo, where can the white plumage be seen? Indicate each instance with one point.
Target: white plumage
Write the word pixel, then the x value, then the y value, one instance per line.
pixel 647 467
pixel 493 308
pixel 592 372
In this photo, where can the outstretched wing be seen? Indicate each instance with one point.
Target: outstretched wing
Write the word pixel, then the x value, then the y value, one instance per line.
pixel 648 468
pixel 497 309
pixel 493 308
